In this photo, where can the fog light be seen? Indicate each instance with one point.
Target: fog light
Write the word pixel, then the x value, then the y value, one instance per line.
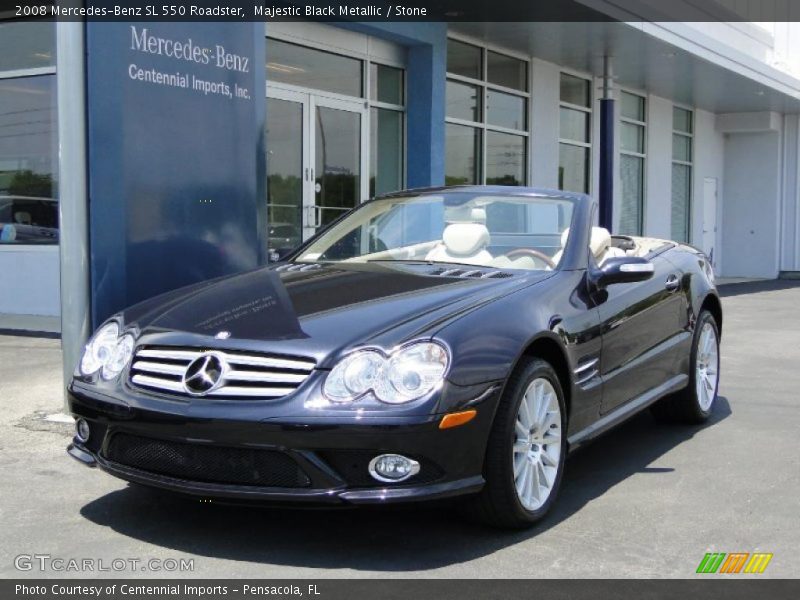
pixel 82 430
pixel 392 468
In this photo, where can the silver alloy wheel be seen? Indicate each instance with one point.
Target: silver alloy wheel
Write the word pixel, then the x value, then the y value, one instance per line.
pixel 537 444
pixel 706 375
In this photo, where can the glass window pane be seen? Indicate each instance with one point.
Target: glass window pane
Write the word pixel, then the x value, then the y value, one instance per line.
pixel 681 147
pixel 464 59
pixel 506 158
pixel 386 84
pixel 26 45
pixel 575 90
pixel 463 154
pixel 507 71
pixel 632 137
pixel 28 204
pixel 386 151
pixel 337 173
pixel 574 125
pixel 506 110
pixel 573 168
pixel 681 201
pixel 463 101
pixel 308 67
pixel 632 106
pixel 632 182
pixel 284 173
pixel 681 119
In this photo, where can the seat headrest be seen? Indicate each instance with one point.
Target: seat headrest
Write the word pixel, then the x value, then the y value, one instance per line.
pixel 464 214
pixel 599 242
pixel 465 239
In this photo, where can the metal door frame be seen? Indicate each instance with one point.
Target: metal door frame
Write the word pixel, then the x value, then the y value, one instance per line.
pixel 310 100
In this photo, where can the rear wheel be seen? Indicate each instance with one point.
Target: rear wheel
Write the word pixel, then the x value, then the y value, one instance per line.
pixel 695 403
pixel 526 450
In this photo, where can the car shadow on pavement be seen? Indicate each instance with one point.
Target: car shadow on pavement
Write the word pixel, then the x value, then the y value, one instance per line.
pixel 391 539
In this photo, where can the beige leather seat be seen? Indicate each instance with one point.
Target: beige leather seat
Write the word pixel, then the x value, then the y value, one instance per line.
pixel 599 244
pixel 463 243
pixel 464 214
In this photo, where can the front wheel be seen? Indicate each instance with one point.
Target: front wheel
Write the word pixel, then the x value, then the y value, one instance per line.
pixel 694 403
pixel 526 449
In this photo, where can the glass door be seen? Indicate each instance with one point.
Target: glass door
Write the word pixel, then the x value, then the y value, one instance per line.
pixel 316 162
pixel 338 157
pixel 287 171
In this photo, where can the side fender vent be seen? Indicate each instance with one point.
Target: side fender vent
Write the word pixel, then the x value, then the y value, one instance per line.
pixel 290 268
pixel 470 273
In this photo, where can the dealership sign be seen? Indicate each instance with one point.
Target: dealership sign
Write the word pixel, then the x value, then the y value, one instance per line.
pixel 176 117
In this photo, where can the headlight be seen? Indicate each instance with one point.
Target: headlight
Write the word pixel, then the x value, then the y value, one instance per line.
pixel 412 372
pixel 123 352
pixel 407 374
pixel 107 352
pixel 353 376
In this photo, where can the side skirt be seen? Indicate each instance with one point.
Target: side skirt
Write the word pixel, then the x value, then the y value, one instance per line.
pixel 626 411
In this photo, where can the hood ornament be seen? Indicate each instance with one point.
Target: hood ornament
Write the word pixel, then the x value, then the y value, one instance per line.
pixel 223 335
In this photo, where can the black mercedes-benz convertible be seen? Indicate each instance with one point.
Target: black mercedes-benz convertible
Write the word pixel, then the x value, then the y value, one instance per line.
pixel 430 343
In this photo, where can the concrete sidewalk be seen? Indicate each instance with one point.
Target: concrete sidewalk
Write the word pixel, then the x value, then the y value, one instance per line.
pixel 647 500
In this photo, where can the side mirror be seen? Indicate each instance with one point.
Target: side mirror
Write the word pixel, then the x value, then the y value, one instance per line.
pixel 623 269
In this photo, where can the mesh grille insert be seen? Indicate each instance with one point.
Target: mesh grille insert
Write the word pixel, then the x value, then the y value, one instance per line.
pixel 208 464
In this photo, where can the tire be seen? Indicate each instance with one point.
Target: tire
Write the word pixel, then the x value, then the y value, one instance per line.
pixel 500 504
pixel 693 404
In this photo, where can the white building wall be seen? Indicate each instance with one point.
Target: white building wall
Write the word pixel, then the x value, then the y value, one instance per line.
pixel 544 123
pixel 751 214
pixel 29 284
pixel 790 209
pixel 709 162
pixel 709 153
pixel 748 38
pixel 658 168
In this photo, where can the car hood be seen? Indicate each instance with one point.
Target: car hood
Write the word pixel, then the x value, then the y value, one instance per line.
pixel 318 310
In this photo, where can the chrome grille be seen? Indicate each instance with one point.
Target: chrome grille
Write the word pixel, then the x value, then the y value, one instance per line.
pixel 247 375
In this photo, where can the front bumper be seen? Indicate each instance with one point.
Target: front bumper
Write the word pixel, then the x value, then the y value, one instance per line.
pixel 330 454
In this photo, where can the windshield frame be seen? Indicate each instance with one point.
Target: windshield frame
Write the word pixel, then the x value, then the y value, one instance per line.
pixel 580 202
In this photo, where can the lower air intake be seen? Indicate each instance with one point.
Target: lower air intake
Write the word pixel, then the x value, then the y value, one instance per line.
pixel 205 463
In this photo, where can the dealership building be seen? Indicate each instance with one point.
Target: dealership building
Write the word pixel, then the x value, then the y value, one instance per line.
pixel 135 158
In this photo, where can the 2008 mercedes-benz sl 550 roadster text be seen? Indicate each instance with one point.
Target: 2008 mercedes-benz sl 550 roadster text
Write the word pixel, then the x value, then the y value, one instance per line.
pixel 430 343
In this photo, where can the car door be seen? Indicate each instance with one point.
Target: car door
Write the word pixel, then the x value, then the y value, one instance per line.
pixel 640 324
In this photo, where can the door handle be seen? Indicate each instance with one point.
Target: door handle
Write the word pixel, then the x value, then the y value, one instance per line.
pixel 672 283
pixel 314 216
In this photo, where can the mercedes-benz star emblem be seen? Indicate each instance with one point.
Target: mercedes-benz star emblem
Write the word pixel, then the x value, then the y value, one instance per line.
pixel 204 374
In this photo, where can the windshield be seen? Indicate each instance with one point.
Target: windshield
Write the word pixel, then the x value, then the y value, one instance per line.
pixel 514 232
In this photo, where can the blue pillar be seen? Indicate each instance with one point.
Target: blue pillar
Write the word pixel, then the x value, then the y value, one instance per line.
pixel 426 106
pixel 606 192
